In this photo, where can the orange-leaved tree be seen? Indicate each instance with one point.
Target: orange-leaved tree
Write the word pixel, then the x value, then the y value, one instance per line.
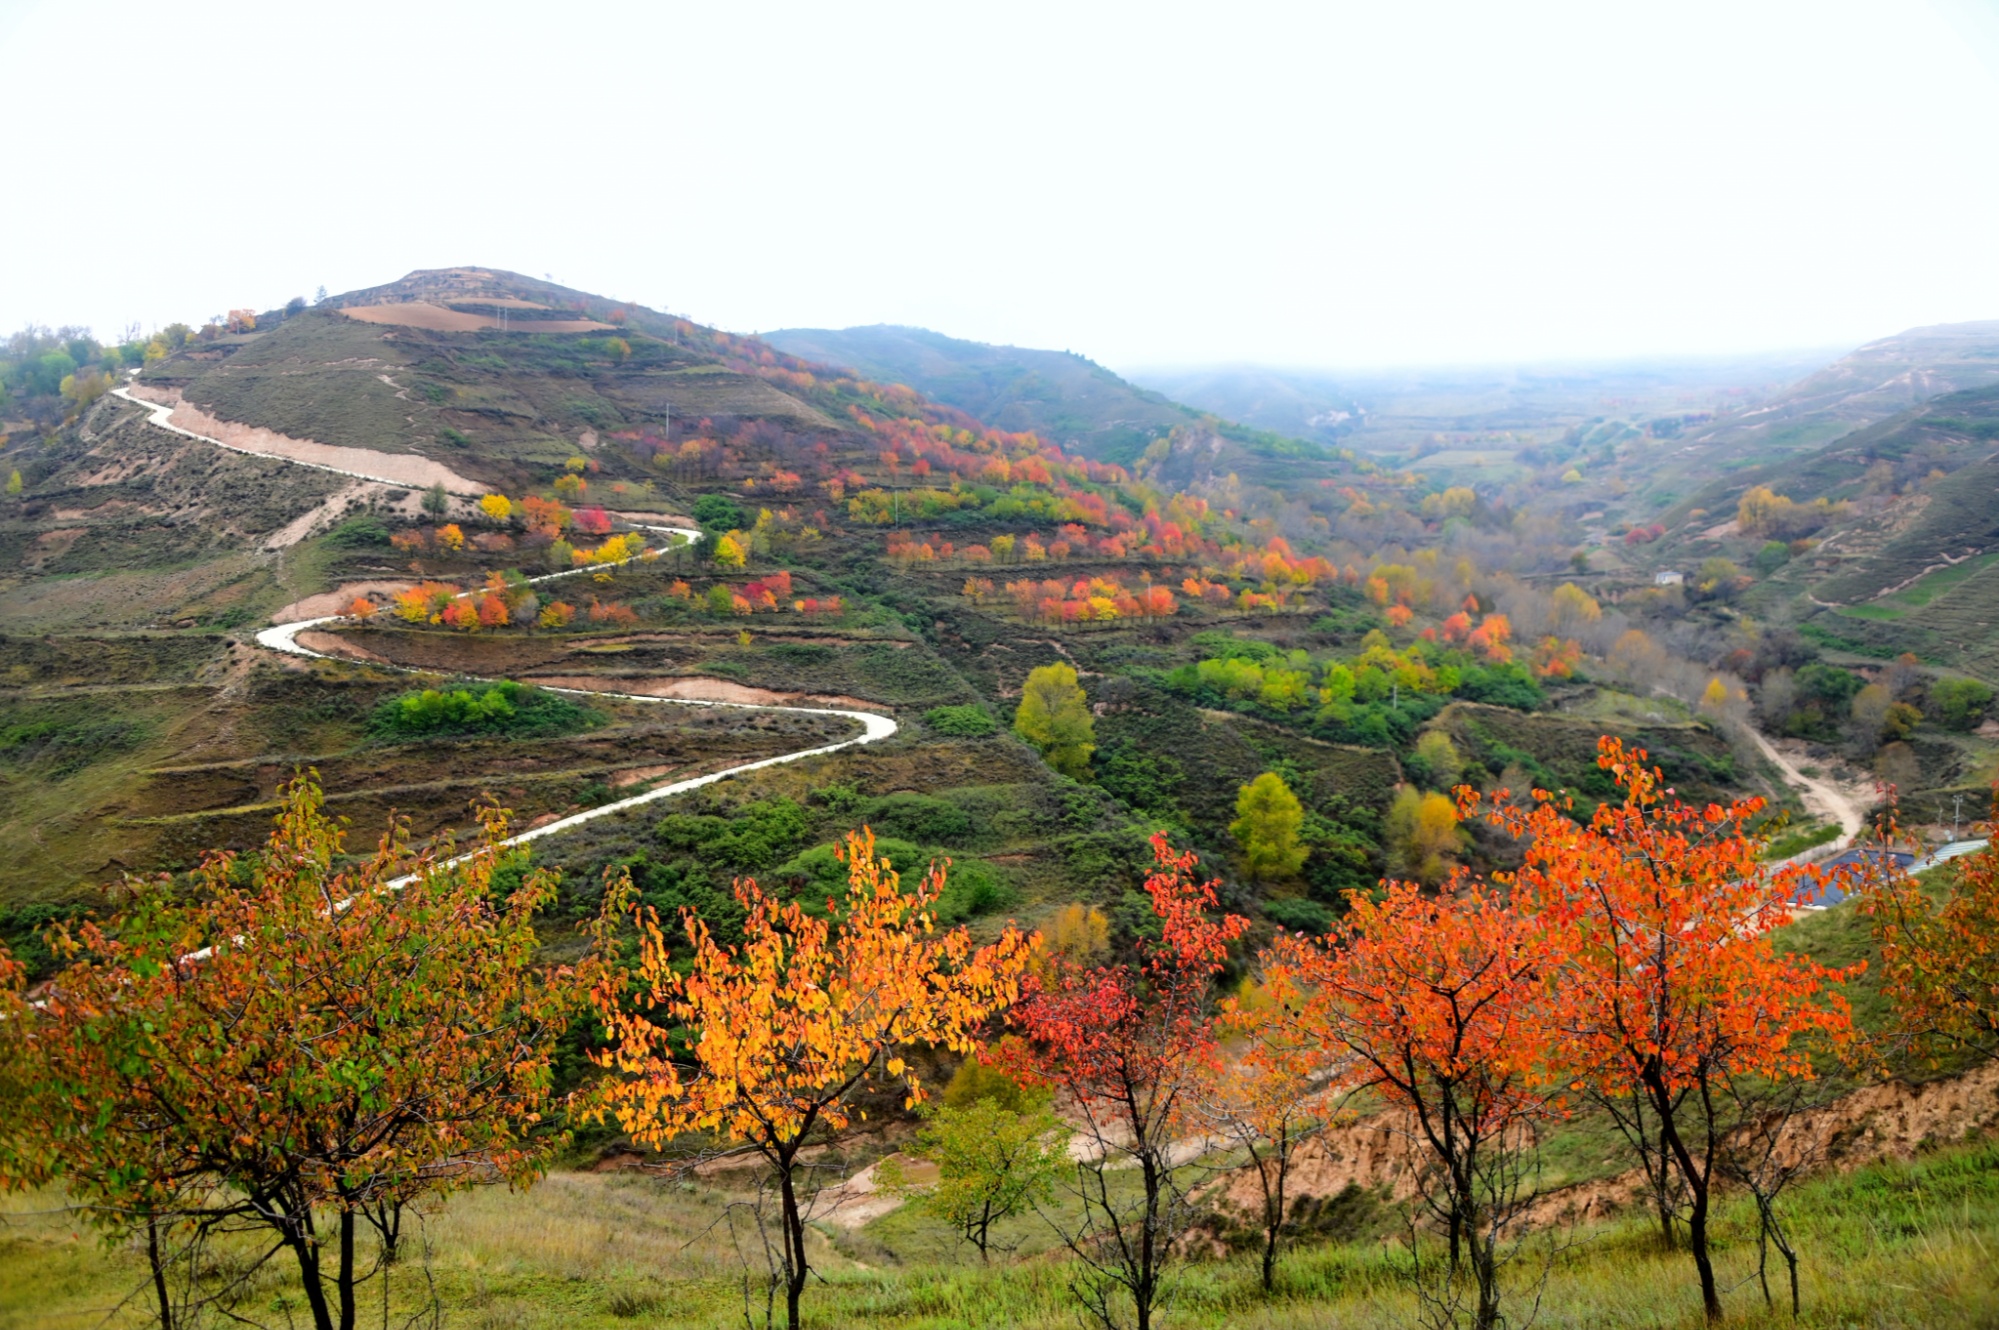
pixel 1940 960
pixel 1668 983
pixel 1128 1049
pixel 300 1038
pixel 789 1027
pixel 1272 1091
pixel 1438 1004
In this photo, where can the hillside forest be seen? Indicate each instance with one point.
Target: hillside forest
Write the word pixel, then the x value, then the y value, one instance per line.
pixel 522 809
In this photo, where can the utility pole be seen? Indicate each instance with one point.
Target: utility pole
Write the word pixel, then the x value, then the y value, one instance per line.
pixel 1956 812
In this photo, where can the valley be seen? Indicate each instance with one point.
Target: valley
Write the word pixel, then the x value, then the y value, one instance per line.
pixel 695 607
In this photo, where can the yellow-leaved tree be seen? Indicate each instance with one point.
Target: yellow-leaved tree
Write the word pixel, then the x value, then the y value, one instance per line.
pixel 790 1026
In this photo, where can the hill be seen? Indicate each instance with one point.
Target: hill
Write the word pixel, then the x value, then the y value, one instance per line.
pixel 1070 400
pixel 1059 395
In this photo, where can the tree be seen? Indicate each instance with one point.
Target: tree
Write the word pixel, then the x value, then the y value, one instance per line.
pixel 1129 1048
pixel 791 1025
pixel 13 484
pixel 1438 1004
pixel 497 507
pixel 324 1038
pixel 1055 717
pixel 1422 834
pixel 1960 704
pixel 993 1161
pixel 1436 752
pixel 435 501
pixel 727 552
pixel 1668 982
pixel 1940 960
pixel 1268 1099
pixel 1268 817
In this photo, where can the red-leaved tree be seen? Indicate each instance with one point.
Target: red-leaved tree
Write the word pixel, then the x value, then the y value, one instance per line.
pixel 1667 983
pixel 1439 1005
pixel 1127 1049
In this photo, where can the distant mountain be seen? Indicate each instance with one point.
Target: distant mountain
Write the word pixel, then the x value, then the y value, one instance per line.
pixel 1065 398
pixel 1385 410
pixel 1870 384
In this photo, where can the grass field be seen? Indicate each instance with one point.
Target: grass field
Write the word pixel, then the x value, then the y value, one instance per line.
pixel 1886 1246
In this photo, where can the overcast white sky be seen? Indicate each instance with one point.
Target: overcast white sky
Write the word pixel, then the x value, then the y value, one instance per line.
pixel 1322 184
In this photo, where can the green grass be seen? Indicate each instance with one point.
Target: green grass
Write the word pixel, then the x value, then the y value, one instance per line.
pixel 1891 1245
pixel 1797 842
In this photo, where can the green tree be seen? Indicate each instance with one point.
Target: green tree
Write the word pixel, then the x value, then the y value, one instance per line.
pixel 1436 751
pixel 1268 818
pixel 996 1156
pixel 13 484
pixel 1055 717
pixel 435 500
pixel 1959 703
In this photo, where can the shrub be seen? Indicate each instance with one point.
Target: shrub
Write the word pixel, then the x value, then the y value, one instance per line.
pixel 1960 704
pixel 359 533
pixel 965 722
pixel 503 707
pixel 918 817
pixel 1298 915
pixel 717 513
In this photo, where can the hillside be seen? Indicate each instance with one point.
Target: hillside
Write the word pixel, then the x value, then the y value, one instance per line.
pixel 884 548
pixel 1059 395
pixel 425 541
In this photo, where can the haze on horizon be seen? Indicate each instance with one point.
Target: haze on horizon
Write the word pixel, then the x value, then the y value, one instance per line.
pixel 1301 185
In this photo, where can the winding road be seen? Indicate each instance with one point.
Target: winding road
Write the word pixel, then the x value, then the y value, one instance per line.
pixel 284 638
pixel 1821 797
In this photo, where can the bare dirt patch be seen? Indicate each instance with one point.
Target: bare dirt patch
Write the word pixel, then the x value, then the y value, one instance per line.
pixel 329 511
pixel 436 318
pixel 336 600
pixel 337 644
pixel 404 469
pixel 638 776
pixel 698 688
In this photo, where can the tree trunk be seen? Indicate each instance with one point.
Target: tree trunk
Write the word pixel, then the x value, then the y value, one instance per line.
pixel 1697 1188
pixel 794 1245
pixel 305 1246
pixel 1274 1220
pixel 158 1265
pixel 1485 1266
pixel 346 1285
pixel 1141 1287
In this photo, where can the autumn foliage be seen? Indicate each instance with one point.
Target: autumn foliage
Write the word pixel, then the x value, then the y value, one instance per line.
pixel 300 1046
pixel 1669 983
pixel 1130 1048
pixel 1940 960
pixel 795 1022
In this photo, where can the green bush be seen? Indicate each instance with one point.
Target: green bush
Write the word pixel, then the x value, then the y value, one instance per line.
pixel 358 533
pixel 965 722
pixel 1960 704
pixel 749 840
pixel 499 708
pixel 971 887
pixel 1774 555
pixel 1298 915
pixel 918 817
pixel 716 512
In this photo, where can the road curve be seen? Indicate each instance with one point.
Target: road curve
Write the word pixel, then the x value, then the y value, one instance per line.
pixel 284 638
pixel 1820 796
pixel 874 728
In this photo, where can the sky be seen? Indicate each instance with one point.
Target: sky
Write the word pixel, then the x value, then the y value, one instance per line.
pixel 1311 185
